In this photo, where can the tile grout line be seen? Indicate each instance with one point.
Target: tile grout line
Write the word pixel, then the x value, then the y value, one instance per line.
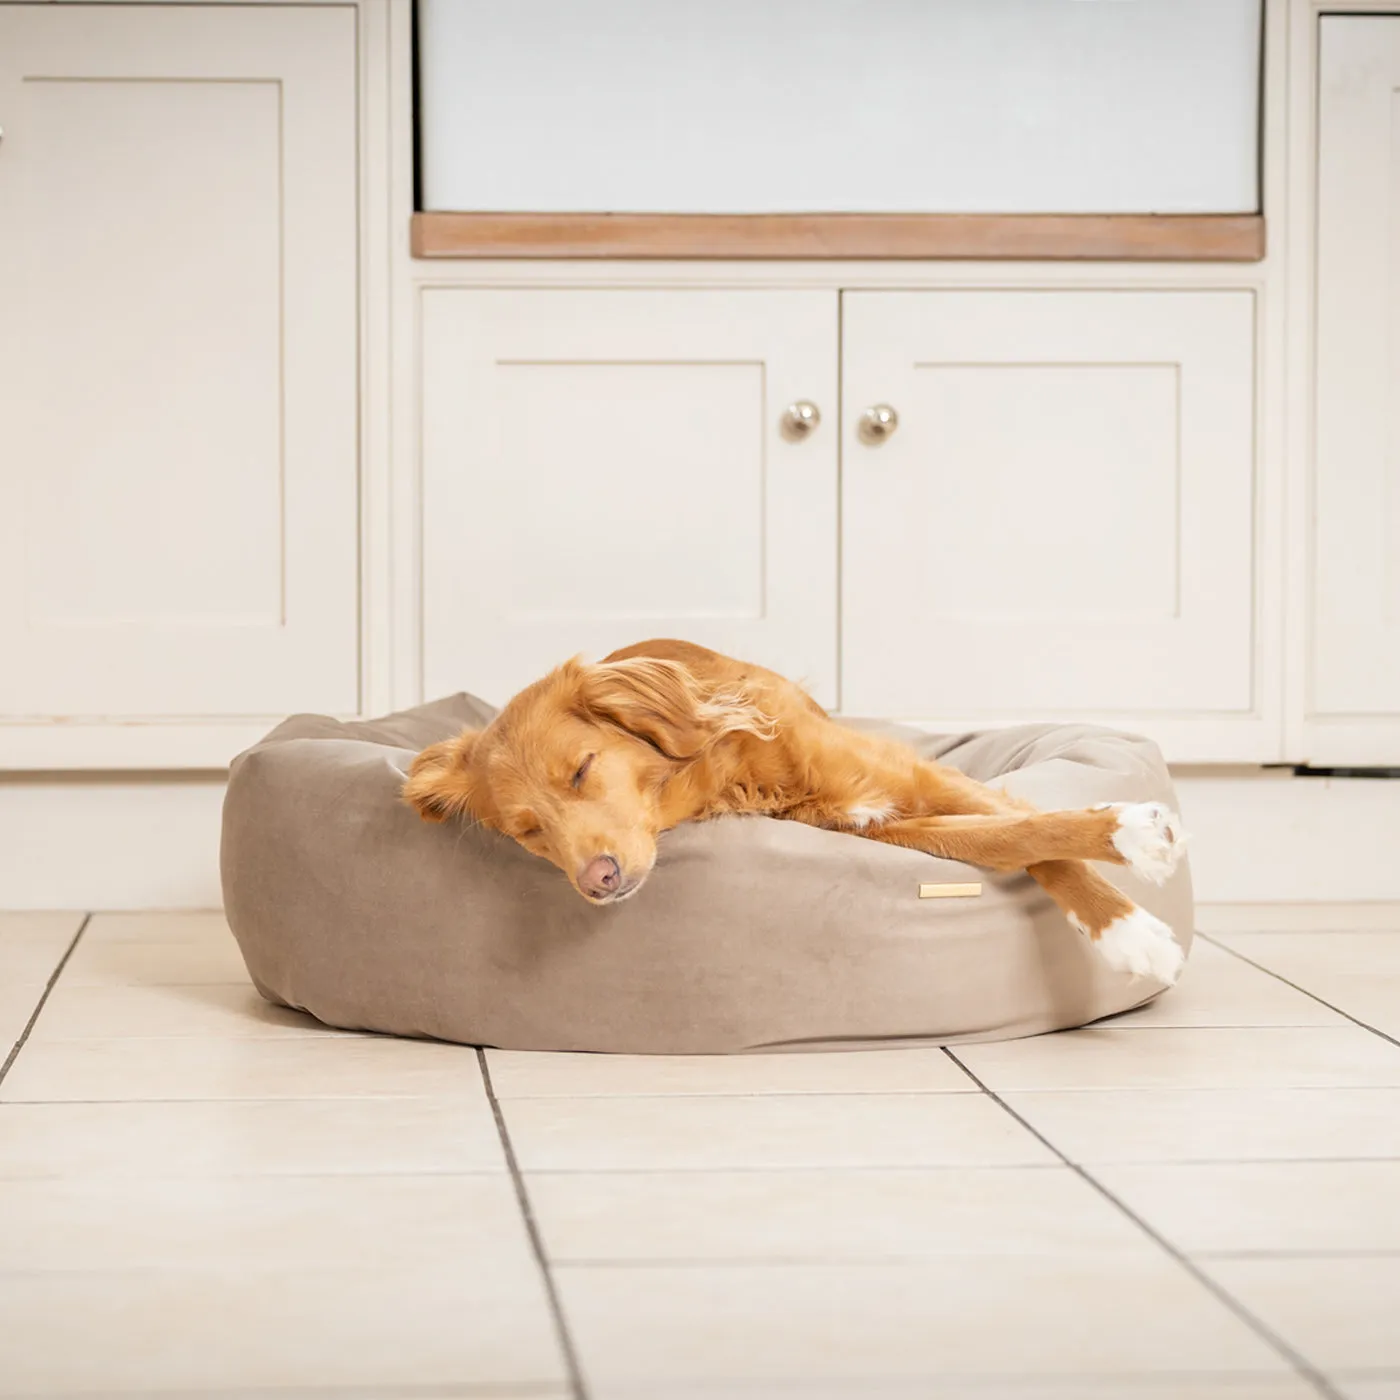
pixel 1298 1253
pixel 577 1389
pixel 1301 1365
pixel 43 999
pixel 1279 977
pixel 911 1261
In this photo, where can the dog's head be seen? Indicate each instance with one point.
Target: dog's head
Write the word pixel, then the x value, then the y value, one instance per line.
pixel 575 767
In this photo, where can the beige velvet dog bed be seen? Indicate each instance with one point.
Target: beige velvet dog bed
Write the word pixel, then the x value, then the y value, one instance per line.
pixel 751 933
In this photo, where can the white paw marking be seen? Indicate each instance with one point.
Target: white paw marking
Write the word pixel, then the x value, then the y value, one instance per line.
pixel 863 814
pixel 1141 945
pixel 1149 838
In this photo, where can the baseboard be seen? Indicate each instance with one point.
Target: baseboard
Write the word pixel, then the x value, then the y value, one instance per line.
pixel 124 841
pixel 118 841
pixel 1267 836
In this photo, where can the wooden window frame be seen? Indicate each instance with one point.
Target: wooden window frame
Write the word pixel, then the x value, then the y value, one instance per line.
pixel 1028 237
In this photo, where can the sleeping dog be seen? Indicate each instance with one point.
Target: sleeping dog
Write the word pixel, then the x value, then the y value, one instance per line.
pixel 589 766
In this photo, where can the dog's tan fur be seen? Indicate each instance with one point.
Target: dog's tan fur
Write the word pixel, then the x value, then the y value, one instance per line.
pixel 601 759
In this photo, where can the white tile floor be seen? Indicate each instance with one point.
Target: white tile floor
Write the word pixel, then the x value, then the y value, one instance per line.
pixel 201 1195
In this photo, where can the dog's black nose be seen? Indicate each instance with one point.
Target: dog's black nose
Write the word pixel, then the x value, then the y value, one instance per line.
pixel 600 877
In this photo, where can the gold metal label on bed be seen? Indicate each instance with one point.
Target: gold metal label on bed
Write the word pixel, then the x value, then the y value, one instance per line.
pixel 950 891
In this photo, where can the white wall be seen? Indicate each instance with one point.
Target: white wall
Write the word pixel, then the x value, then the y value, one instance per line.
pixel 735 106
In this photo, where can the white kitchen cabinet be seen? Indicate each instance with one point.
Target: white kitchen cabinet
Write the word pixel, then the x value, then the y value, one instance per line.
pixel 1060 526
pixel 1062 523
pixel 1353 653
pixel 178 364
pixel 600 467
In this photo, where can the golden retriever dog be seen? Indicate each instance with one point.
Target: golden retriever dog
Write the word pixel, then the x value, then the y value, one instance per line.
pixel 589 766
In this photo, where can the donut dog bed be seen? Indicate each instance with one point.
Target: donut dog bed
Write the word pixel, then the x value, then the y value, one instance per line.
pixel 750 934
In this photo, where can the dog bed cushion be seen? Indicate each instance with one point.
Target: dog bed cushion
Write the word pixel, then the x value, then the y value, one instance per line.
pixel 750 933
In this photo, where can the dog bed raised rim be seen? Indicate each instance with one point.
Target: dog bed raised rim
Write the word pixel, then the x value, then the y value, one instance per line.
pixel 750 934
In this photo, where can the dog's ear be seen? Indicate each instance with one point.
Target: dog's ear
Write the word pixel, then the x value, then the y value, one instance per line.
pixel 443 780
pixel 665 704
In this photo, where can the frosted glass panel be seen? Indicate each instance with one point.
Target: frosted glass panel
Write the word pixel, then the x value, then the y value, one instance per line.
pixel 789 106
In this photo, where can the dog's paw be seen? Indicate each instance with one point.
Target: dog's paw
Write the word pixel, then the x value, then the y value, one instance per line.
pixel 1149 838
pixel 1141 945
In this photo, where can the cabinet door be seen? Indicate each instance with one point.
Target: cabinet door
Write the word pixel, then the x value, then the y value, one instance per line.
pixel 1354 654
pixel 603 467
pixel 178 472
pixel 1061 525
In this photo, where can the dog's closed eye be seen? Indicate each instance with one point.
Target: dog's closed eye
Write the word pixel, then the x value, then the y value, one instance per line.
pixel 577 780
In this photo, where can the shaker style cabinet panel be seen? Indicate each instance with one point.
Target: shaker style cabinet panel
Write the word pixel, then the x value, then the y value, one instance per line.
pixel 1353 671
pixel 1060 523
pixel 602 467
pixel 178 362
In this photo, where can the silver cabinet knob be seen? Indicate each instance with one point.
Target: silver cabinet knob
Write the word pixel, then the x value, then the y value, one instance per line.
pixel 877 423
pixel 799 419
